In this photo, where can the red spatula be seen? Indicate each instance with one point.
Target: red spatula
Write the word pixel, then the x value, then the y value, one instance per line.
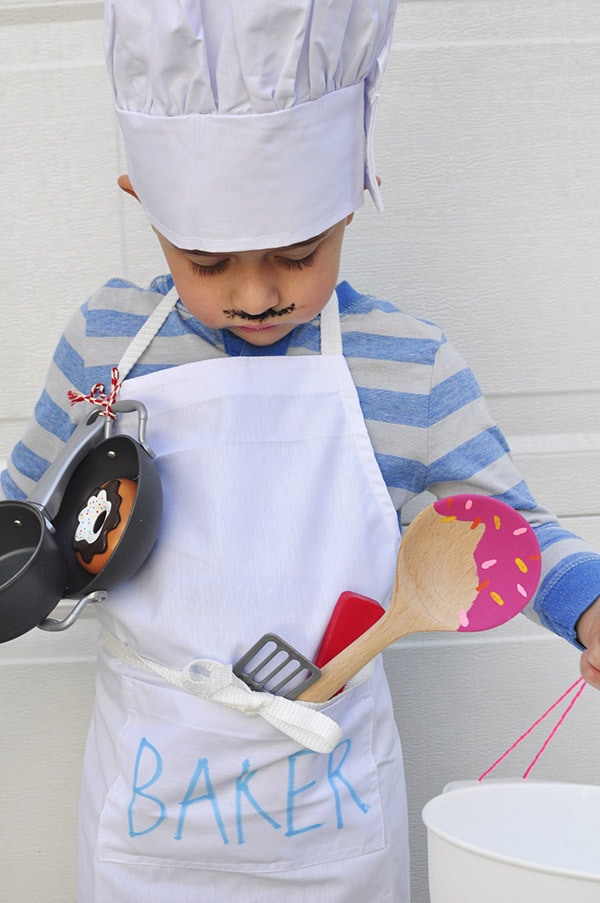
pixel 352 615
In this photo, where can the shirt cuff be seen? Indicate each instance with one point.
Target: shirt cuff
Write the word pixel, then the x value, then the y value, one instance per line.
pixel 569 589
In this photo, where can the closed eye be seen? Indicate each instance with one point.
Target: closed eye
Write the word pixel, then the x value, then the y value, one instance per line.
pixel 290 263
pixel 298 264
pixel 213 270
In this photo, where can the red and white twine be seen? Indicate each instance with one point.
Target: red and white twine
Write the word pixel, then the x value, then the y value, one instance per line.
pixel 99 397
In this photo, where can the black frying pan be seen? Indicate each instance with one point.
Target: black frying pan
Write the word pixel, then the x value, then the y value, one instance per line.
pixel 41 559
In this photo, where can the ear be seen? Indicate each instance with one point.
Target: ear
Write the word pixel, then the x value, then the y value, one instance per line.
pixel 349 218
pixel 124 184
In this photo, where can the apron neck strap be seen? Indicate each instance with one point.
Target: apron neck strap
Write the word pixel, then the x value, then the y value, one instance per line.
pixel 140 342
pixel 331 331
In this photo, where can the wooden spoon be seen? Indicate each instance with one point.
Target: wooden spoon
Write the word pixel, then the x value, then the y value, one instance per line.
pixel 465 563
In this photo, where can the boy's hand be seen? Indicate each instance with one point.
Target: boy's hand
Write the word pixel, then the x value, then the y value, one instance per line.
pixel 588 632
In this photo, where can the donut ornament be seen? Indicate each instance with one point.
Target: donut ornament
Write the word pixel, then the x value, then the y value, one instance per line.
pixel 101 523
pixel 466 563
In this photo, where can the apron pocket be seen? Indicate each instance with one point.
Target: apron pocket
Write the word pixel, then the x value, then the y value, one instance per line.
pixel 201 786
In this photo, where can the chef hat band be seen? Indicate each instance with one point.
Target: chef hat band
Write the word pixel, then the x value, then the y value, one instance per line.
pixel 248 125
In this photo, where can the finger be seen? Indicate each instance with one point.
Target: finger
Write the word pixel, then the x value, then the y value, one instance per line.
pixel 589 671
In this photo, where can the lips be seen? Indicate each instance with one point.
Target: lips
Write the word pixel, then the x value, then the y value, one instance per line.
pixel 257 328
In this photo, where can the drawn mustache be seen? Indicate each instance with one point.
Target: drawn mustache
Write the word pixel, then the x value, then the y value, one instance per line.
pixel 232 313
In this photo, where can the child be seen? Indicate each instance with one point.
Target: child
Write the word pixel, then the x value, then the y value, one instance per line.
pixel 284 463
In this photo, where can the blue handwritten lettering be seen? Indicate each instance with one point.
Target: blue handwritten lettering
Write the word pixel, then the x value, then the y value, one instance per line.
pixel 320 787
pixel 293 792
pixel 335 774
pixel 242 789
pixel 140 790
pixel 188 800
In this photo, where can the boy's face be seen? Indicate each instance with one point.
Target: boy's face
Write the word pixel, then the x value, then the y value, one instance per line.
pixel 259 296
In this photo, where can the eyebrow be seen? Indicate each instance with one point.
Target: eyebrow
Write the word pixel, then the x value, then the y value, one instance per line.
pixel 296 245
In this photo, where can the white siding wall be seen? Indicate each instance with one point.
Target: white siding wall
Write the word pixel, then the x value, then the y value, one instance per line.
pixel 488 141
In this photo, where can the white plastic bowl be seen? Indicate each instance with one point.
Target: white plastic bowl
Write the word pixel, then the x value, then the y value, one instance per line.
pixel 514 842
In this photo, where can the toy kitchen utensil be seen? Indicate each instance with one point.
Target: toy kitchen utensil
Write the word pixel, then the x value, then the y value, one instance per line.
pixel 272 664
pixel 352 615
pixel 38 561
pixel 466 563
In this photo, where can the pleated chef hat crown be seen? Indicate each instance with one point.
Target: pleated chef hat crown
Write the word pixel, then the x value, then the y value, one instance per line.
pixel 248 123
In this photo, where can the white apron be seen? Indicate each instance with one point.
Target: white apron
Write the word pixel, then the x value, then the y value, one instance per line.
pixel 274 505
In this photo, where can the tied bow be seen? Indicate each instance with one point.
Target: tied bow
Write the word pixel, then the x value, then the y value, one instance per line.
pixel 99 397
pixel 216 682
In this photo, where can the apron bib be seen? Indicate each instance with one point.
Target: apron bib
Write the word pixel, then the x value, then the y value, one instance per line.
pixel 274 505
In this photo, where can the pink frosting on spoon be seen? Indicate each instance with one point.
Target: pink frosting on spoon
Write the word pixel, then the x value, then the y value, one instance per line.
pixel 507 557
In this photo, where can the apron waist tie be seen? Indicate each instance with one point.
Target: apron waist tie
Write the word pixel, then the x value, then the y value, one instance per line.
pixel 216 682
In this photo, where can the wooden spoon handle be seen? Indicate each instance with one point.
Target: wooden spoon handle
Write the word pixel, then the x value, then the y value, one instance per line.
pixel 351 659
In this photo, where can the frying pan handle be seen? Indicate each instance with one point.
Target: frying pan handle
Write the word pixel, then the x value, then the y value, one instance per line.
pixel 127 406
pixel 49 490
pixel 54 626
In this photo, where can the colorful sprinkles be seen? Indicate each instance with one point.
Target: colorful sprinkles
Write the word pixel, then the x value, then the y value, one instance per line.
pixel 507 557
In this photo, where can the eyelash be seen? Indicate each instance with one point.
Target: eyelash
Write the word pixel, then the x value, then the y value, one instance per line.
pixel 291 264
pixel 288 262
pixel 213 270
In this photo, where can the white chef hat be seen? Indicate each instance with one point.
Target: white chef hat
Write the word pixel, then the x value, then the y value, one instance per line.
pixel 248 123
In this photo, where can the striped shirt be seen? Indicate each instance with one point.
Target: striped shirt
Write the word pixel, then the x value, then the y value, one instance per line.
pixel 424 411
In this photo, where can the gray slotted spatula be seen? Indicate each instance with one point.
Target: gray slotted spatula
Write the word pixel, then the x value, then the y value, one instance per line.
pixel 280 670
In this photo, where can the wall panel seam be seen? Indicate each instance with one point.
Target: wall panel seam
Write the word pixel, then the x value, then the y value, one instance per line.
pixel 38 13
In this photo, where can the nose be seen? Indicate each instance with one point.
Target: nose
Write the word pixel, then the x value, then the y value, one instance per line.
pixel 255 290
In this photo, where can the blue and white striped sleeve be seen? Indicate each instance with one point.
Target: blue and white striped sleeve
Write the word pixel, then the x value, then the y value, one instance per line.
pixel 469 453
pixel 93 341
pixel 53 420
